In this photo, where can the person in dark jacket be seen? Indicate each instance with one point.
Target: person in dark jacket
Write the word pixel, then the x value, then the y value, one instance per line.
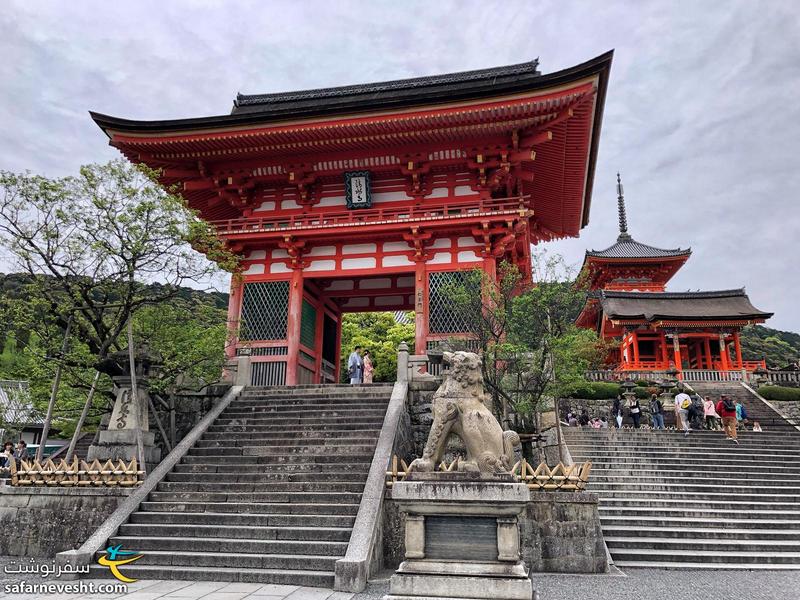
pixel 616 411
pixel 583 420
pixel 657 412
pixel 635 411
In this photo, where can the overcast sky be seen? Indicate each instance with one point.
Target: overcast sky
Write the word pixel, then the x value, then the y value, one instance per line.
pixel 702 115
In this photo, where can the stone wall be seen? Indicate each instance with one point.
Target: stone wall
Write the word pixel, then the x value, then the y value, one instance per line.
pixel 788 409
pixel 40 522
pixel 559 533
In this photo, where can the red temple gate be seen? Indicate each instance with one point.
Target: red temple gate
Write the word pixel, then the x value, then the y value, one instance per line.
pixel 373 197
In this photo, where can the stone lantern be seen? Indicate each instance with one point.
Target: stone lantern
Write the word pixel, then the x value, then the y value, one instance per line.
pixel 130 415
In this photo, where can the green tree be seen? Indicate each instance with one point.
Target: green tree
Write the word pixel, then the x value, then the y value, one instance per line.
pixel 379 333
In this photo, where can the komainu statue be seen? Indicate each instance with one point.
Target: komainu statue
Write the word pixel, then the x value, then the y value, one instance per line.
pixel 461 406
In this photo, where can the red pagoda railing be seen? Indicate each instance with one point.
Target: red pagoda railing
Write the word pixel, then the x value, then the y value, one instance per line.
pixel 374 216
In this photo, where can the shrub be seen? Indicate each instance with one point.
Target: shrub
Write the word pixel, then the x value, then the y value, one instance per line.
pixel 776 392
pixel 597 390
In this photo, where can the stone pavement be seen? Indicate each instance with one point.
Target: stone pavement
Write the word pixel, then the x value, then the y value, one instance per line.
pixel 633 584
pixel 188 590
pixel 655 584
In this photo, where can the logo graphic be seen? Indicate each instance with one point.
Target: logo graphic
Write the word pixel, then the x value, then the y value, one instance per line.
pixel 115 557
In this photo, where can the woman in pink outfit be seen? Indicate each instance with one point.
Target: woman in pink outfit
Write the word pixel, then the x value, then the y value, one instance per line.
pixel 368 368
pixel 710 412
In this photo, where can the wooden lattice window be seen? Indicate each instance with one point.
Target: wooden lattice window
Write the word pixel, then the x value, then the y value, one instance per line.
pixel 265 310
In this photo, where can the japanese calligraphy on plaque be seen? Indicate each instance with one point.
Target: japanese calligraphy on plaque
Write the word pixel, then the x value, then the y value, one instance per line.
pixel 357 189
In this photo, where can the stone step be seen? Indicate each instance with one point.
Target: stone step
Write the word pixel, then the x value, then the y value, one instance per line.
pixel 238 532
pixel 273 486
pixel 696 533
pixel 290 434
pixel 734 477
pixel 225 545
pixel 693 487
pixel 663 564
pixel 318 428
pixel 295 562
pixel 268 497
pixel 672 468
pixel 279 470
pixel 265 413
pixel 747 495
pixel 233 442
pixel 339 450
pixel 615 543
pixel 245 519
pixel 610 458
pixel 322 579
pixel 648 522
pixel 698 451
pixel 709 556
pixel 276 459
pixel 262 508
pixel 723 504
pixel 789 516
pixel 310 420
pixel 380 402
pixel 260 477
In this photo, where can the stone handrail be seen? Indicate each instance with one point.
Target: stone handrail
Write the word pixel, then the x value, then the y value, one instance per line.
pixel 83 555
pixel 364 552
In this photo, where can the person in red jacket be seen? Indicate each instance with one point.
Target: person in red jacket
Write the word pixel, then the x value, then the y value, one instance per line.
pixel 726 408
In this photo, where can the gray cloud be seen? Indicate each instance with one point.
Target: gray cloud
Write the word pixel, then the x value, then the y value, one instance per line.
pixel 702 116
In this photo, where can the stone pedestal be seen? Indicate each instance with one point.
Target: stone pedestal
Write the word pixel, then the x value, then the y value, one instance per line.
pixel 128 416
pixel 462 538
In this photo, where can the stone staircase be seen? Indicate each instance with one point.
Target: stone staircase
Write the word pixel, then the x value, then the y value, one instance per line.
pixel 269 493
pixel 697 501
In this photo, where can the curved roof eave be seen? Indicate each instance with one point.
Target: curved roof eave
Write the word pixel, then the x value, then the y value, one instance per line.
pixel 375 101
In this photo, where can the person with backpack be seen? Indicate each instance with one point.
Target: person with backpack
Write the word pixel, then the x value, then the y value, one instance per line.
pixel 657 412
pixel 741 415
pixel 616 411
pixel 727 410
pixel 635 410
pixel 682 404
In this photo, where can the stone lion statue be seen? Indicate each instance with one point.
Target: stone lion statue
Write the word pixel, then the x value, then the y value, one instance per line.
pixel 461 407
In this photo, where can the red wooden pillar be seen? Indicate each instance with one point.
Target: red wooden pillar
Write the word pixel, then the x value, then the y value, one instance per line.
pixel 420 307
pixel 676 349
pixel 707 347
pixel 737 344
pixel 294 317
pixel 664 350
pixel 234 312
pixel 723 353
pixel 635 342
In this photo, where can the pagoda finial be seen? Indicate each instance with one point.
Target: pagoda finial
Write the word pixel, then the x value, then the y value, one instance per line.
pixel 623 219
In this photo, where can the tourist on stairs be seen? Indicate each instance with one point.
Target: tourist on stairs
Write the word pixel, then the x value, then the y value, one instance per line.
pixel 727 409
pixel 616 411
pixel 635 410
pixel 741 415
pixel 710 412
pixel 368 367
pixel 682 404
pixel 657 412
pixel 355 366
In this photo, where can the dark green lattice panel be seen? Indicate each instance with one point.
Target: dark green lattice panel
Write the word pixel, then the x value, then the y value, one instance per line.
pixel 442 317
pixel 308 325
pixel 265 310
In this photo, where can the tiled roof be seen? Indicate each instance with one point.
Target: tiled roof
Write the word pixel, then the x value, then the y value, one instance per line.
pixel 688 306
pixel 627 247
pixel 491 74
